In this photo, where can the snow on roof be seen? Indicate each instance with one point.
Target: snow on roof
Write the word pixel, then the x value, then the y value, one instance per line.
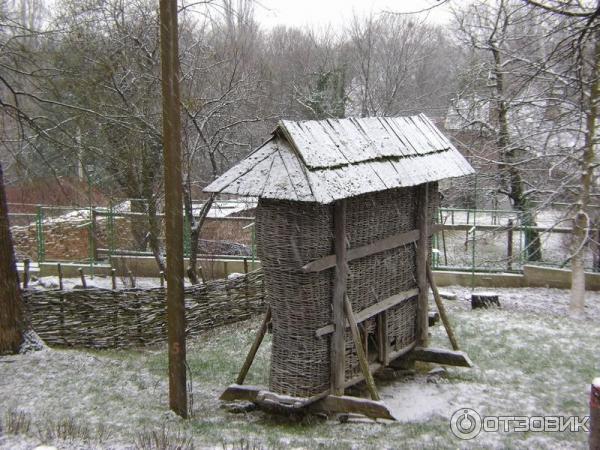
pixel 327 160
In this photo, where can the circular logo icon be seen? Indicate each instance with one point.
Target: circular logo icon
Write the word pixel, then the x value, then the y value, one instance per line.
pixel 465 423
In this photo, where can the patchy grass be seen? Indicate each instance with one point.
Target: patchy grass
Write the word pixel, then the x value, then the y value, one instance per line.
pixel 528 363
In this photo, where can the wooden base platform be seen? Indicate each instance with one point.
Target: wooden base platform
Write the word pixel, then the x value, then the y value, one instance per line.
pixel 333 404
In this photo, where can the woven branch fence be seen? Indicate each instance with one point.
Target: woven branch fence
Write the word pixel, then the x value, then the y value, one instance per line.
pixel 104 318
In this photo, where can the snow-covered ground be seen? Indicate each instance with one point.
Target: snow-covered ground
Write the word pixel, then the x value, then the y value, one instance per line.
pixel 531 359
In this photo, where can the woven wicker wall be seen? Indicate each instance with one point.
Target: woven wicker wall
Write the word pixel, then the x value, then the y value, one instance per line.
pixel 103 318
pixel 292 234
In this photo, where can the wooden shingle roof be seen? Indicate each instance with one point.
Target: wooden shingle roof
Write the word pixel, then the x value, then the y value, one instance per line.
pixel 327 160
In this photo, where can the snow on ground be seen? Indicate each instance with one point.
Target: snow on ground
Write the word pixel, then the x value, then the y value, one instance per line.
pixel 531 359
pixel 51 282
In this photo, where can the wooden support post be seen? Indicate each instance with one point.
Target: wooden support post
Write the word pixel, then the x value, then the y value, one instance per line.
pixel 421 265
pixel 255 345
pixel 162 279
pixel 245 265
pixel 82 276
pixel 202 275
pixel 171 134
pixel 60 276
pixel 509 245
pixel 383 344
pixel 594 439
pixel 26 267
pixel 339 291
pixel 362 356
pixel 442 309
pixel 113 277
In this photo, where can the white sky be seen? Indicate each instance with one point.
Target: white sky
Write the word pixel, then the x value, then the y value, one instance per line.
pixel 336 13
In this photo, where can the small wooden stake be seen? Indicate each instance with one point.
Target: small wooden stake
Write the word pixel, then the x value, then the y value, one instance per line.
pixel 360 351
pixel 82 276
pixel 131 278
pixel 255 345
pixel 245 265
pixel 60 276
pixel 162 279
pixel 594 439
pixel 113 276
pixel 26 263
pixel 442 309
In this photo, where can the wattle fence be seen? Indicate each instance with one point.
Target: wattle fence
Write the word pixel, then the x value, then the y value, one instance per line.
pixel 105 318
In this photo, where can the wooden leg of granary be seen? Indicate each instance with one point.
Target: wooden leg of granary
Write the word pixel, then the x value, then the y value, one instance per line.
pixel 255 345
pixel 442 309
pixel 421 263
pixel 362 357
pixel 339 291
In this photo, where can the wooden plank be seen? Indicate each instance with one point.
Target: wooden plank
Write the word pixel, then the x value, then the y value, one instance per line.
pixel 296 172
pixel 255 345
pixel 372 310
pixel 341 275
pixel 243 167
pixel 360 350
pixel 237 392
pixel 309 141
pixel 278 184
pixel 382 245
pixel 441 356
pixel 421 266
pixel 345 404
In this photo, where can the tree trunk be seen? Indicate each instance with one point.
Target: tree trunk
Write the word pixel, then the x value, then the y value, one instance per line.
pixel 195 229
pixel 533 247
pixel 582 222
pixel 11 308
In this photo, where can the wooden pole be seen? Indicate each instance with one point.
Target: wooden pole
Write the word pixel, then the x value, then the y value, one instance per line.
pixel 421 265
pixel 339 291
pixel 60 276
pixel 360 351
pixel 113 277
pixel 594 439
pixel 11 308
pixel 255 345
pixel 26 263
pixel 442 309
pixel 173 206
pixel 509 245
pixel 82 276
pixel 382 338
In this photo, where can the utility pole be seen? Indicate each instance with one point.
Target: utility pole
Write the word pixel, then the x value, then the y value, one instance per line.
pixel 173 206
pixel 11 313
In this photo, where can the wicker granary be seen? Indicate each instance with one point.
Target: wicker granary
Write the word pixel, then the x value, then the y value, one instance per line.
pixel 344 206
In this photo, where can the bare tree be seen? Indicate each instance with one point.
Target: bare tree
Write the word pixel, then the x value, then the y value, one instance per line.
pixel 11 313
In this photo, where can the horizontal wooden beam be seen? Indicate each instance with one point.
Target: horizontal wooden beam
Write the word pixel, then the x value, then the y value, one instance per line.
pixel 346 404
pixel 397 240
pixel 441 356
pixel 372 310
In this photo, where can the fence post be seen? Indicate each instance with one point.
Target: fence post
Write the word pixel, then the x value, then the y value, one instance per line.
pixel 60 276
pixel 82 276
pixel 26 262
pixel 594 439
pixel 39 231
pixel 509 245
